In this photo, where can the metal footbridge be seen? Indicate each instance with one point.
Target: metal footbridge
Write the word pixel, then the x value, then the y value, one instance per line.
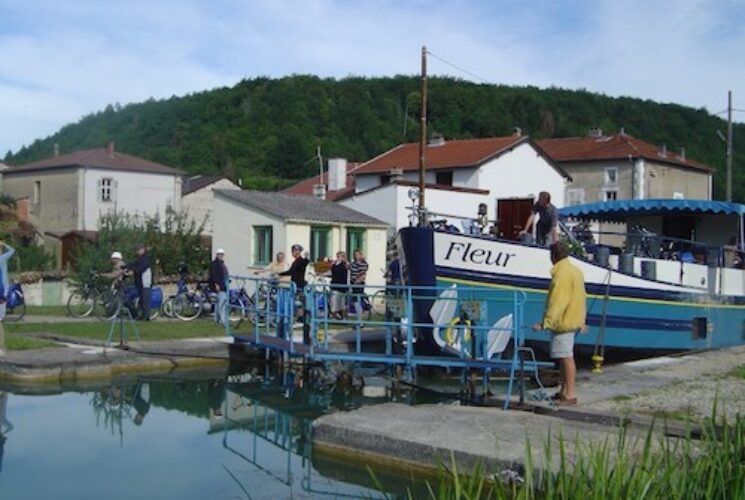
pixel 475 330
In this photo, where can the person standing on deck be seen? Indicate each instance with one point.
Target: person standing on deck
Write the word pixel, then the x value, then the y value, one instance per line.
pixel 548 221
pixel 6 252
pixel 296 272
pixel 339 285
pixel 357 276
pixel 218 280
pixel 565 315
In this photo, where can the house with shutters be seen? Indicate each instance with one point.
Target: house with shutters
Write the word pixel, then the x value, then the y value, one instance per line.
pixel 70 192
pixel 253 226
pixel 621 167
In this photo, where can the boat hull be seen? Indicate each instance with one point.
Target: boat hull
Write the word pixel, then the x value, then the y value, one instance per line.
pixel 625 312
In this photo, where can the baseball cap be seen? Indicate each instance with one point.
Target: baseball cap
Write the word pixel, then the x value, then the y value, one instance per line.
pixel 219 251
pixel 297 248
pixel 116 255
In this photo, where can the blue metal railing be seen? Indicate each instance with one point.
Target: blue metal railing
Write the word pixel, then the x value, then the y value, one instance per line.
pixel 469 328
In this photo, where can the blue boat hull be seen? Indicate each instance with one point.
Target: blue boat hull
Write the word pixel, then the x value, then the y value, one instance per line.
pixel 638 315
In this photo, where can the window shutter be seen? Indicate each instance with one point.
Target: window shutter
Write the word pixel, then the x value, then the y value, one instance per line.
pixel 99 185
pixel 114 190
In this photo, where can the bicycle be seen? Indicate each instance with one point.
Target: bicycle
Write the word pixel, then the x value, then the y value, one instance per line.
pixel 15 303
pixel 111 303
pixel 190 305
pixel 82 302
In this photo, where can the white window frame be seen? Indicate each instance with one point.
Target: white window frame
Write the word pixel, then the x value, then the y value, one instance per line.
pixel 678 195
pixel 607 191
pixel 607 176
pixel 106 190
pixel 572 193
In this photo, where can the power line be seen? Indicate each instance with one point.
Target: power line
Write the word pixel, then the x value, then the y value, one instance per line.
pixel 459 68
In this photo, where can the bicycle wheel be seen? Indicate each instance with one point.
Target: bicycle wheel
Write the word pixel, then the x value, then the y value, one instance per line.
pixel 18 311
pixel 187 307
pixel 108 305
pixel 234 312
pixel 137 310
pixel 377 302
pixel 81 304
pixel 166 308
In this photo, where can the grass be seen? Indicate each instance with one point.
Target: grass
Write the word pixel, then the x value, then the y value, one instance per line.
pixel 649 467
pixel 738 372
pixel 98 330
pixel 46 310
pixel 622 397
pixel 15 342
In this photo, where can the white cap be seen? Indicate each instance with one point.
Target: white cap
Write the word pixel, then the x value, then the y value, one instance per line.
pixel 219 251
pixel 116 255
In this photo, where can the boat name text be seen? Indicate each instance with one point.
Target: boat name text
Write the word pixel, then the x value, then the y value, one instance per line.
pixel 466 253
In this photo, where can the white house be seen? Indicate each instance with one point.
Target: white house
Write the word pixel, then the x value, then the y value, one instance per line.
pixel 197 196
pixel 252 226
pixel 505 173
pixel 70 192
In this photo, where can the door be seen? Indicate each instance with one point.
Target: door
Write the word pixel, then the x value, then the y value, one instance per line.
pixel 511 216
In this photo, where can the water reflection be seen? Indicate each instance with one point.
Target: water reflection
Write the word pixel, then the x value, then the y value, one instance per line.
pixel 244 435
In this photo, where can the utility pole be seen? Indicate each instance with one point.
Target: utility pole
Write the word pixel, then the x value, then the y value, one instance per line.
pixel 729 146
pixel 423 137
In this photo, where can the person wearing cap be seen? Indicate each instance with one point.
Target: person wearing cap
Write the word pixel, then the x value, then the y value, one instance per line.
pixel 143 280
pixel 118 269
pixel 6 252
pixel 218 281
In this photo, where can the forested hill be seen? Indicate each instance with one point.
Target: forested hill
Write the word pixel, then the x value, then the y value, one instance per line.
pixel 266 130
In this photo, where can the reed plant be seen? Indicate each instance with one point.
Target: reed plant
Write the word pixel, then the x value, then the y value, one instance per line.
pixel 650 466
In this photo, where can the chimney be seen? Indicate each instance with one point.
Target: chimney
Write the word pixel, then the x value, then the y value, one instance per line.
pixel 337 174
pixel 683 154
pixel 436 140
pixel 110 148
pixel 56 149
pixel 517 132
pixel 595 132
pixel 622 131
pixel 319 191
pixel 663 151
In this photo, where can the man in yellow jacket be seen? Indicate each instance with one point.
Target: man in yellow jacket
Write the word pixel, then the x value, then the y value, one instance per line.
pixel 565 315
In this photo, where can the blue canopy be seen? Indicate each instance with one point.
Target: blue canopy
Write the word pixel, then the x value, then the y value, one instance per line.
pixel 621 209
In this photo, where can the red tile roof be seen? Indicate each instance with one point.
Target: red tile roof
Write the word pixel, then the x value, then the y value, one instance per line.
pixel 451 154
pixel 96 158
pixel 306 187
pixel 614 147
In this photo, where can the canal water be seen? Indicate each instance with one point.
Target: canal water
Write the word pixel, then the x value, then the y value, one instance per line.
pixel 242 436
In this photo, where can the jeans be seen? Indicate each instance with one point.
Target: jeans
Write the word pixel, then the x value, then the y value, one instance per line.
pixel 220 310
pixel 144 294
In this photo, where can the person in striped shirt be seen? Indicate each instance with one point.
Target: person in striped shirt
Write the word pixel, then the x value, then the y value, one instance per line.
pixel 357 275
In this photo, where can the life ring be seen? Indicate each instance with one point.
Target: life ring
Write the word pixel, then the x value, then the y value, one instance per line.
pixel 449 334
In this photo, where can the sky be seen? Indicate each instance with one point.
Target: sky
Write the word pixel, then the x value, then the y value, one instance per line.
pixel 61 60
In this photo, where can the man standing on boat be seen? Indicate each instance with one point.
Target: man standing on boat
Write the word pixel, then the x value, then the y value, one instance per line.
pixel 565 315
pixel 548 220
pixel 218 280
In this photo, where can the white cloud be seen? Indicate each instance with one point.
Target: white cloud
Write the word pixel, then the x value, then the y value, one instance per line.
pixel 63 60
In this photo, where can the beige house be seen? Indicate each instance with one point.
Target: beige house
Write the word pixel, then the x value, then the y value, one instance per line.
pixel 197 196
pixel 70 192
pixel 252 226
pixel 622 167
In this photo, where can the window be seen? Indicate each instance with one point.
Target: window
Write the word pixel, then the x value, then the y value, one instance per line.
pixel 611 175
pixel 319 243
pixel 37 195
pixel 262 245
pixel 385 179
pixel 106 189
pixel 355 240
pixel 575 196
pixel 444 178
pixel 677 195
pixel 610 194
